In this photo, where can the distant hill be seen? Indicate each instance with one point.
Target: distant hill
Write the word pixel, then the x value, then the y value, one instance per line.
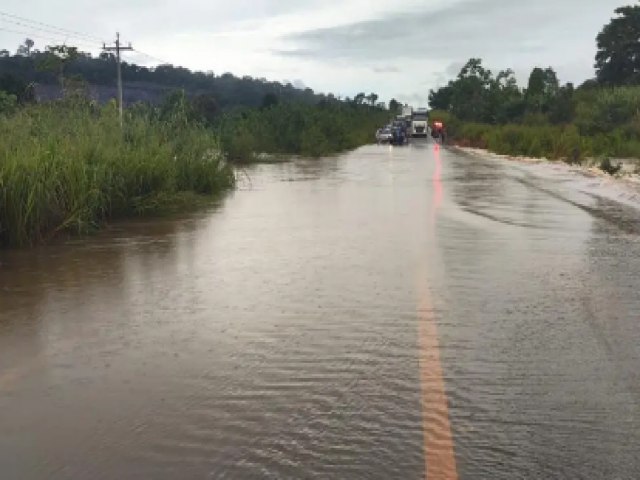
pixel 151 84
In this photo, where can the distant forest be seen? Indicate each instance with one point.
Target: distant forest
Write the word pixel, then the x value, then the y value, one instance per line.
pixel 141 83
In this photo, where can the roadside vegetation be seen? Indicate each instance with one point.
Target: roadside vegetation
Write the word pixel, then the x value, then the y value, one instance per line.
pixel 599 119
pixel 67 165
pixel 298 129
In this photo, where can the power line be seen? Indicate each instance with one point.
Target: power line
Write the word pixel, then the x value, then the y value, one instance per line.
pixel 42 37
pixel 34 31
pixel 60 32
pixel 151 57
pixel 52 27
pixel 47 31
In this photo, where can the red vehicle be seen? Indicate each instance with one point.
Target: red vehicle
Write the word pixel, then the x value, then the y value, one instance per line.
pixel 438 131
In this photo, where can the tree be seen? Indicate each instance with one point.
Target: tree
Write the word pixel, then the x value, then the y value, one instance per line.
pixel 470 92
pixel 56 59
pixel 504 103
pixel 474 69
pixel 107 56
pixel 19 88
pixel 25 49
pixel 618 56
pixel 543 82
pixel 542 88
pixel 4 53
pixel 589 84
pixel 441 99
pixel 372 98
pixel 562 109
pixel 394 105
pixel 477 96
pixel 270 100
pixel 359 98
pixel 205 108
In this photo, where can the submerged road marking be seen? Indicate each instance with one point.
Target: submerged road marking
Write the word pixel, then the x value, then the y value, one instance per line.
pixel 439 451
pixel 440 459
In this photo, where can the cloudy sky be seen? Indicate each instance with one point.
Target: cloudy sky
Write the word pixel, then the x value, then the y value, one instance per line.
pixel 397 49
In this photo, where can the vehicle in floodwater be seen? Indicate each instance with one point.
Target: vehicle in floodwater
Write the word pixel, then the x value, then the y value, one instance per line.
pixel 397 133
pixel 420 123
pixel 400 129
pixel 384 135
pixel 439 132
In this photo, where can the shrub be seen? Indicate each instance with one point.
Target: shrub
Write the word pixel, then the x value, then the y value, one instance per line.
pixel 8 103
pixel 608 167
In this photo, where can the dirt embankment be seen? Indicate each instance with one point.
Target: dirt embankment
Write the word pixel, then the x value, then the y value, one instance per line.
pixel 629 167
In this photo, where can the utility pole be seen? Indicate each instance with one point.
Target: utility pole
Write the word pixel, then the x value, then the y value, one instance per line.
pixel 118 48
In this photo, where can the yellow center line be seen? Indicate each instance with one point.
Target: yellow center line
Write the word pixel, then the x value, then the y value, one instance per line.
pixel 439 451
pixel 440 459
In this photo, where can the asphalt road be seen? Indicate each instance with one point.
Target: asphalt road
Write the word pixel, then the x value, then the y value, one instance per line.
pixel 399 313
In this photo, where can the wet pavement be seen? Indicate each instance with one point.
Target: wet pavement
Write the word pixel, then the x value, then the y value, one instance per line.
pixel 402 313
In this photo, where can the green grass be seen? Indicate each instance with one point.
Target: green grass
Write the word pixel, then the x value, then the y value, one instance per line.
pixel 606 124
pixel 554 142
pixel 68 167
pixel 298 129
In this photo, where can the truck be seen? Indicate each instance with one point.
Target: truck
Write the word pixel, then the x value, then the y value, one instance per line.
pixel 407 111
pixel 420 123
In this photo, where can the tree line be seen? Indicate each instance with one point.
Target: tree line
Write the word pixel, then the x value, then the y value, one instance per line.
pixel 29 67
pixel 547 118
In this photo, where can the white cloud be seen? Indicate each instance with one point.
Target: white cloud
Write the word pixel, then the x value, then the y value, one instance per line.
pixel 398 49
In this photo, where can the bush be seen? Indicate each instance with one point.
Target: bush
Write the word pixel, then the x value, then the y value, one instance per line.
pixel 8 103
pixel 473 134
pixel 608 167
pixel 569 146
pixel 603 110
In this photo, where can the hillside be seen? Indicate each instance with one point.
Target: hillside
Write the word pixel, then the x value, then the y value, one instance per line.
pixel 146 84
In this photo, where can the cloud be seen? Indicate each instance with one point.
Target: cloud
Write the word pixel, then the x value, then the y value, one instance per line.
pixel 456 31
pixel 342 46
pixel 386 69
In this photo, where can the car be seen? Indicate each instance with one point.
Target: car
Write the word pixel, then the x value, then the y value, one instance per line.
pixel 384 135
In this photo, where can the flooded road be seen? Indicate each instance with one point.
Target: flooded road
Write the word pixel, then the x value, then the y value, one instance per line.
pixel 410 313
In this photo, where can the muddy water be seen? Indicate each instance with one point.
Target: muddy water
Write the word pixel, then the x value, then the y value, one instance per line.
pixel 355 317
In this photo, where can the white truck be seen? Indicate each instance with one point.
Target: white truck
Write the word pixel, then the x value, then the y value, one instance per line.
pixel 420 123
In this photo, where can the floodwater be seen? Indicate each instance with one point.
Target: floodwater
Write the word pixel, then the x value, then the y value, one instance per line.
pixel 399 313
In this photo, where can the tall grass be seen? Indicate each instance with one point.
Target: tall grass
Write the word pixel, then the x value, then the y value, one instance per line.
pixel 309 130
pixel 67 167
pixel 552 142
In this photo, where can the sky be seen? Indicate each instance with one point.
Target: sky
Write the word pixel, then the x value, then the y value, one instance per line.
pixel 395 49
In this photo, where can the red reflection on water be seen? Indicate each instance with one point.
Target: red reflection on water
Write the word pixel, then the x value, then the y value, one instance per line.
pixel 437 181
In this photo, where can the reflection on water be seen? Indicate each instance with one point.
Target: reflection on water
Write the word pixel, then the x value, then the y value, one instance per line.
pixel 275 335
